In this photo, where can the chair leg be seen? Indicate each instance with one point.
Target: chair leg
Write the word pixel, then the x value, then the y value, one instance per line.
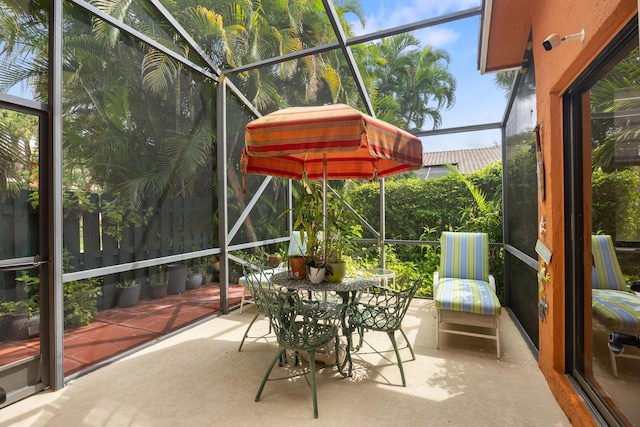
pixel 244 292
pixel 266 375
pixel 312 367
pixel 413 356
pixel 437 328
pixel 612 357
pixel 247 331
pixel 395 348
pixel 498 335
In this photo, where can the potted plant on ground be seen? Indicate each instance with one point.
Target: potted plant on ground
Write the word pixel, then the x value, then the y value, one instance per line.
pixel 195 275
pixel 158 283
pixel 177 278
pixel 80 301
pixel 128 293
pixel 23 317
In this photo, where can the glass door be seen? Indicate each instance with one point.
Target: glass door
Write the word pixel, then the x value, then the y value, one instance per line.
pixel 23 277
pixel 602 178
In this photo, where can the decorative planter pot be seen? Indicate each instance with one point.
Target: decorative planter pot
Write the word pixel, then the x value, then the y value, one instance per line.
pixel 316 275
pixel 297 267
pixel 23 328
pixel 177 278
pixel 336 271
pixel 158 290
pixel 129 296
pixel 194 280
pixel 274 261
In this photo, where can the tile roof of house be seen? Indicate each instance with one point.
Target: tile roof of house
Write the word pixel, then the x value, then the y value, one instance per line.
pixel 467 160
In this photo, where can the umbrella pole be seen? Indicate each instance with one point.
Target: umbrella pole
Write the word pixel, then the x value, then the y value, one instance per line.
pixel 324 206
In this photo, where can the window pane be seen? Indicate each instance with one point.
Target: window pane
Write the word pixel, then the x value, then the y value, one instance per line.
pixel 138 152
pixel 615 102
pixel 24 49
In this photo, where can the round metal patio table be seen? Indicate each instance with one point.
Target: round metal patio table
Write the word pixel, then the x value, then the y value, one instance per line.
pixel 348 290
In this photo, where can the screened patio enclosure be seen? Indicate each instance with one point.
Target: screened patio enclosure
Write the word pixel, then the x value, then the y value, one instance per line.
pixel 133 124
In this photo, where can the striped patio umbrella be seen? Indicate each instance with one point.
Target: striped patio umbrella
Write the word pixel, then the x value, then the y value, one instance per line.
pixel 328 142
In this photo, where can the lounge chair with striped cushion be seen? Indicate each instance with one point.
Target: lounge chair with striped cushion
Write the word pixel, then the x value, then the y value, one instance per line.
pixel 613 304
pixel 464 291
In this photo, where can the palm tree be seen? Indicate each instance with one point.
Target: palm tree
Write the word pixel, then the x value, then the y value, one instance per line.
pixel 417 78
pixel 617 91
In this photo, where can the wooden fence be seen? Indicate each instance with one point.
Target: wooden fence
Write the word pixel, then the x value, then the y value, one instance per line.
pixel 97 235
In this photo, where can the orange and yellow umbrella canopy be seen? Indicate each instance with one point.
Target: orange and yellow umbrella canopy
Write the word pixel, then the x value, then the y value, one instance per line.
pixel 328 142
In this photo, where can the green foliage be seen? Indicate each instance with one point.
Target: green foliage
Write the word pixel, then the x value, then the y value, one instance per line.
pixel 29 282
pixel 160 277
pixel 127 284
pixel 413 204
pixel 422 209
pixel 27 307
pixel 616 204
pixel 80 302
pixel 117 217
pixel 342 228
pixel 307 217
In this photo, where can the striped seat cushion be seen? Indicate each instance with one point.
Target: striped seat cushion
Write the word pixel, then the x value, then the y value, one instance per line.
pixel 467 295
pixel 263 278
pixel 619 311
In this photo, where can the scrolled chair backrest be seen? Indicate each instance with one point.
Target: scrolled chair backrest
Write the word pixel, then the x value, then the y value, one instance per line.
pixel 256 278
pixel 384 308
pixel 297 322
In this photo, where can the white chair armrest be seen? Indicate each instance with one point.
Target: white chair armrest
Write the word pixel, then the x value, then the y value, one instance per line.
pixel 436 278
pixel 492 283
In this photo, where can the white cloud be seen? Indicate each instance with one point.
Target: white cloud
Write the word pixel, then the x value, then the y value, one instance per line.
pixel 438 37
pixel 388 14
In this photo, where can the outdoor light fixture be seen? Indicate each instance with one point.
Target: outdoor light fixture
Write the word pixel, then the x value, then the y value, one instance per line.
pixel 618 341
pixel 554 39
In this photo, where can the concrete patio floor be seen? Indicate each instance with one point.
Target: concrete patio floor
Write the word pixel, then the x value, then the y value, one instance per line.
pixel 198 378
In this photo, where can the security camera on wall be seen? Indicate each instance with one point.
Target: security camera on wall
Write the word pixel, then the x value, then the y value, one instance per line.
pixel 554 40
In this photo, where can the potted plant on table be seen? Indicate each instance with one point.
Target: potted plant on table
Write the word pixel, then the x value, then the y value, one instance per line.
pixel 308 218
pixel 342 228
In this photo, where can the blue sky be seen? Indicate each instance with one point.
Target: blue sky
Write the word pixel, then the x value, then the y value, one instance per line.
pixel 478 100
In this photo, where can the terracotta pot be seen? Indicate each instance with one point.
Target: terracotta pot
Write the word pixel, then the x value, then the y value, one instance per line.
pixel 274 261
pixel 298 268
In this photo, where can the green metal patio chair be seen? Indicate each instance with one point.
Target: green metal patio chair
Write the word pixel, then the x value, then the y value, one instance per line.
pixel 383 309
pixel 255 277
pixel 297 247
pixel 299 325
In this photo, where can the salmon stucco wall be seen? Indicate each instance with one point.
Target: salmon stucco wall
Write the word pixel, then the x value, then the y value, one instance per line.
pixel 555 71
